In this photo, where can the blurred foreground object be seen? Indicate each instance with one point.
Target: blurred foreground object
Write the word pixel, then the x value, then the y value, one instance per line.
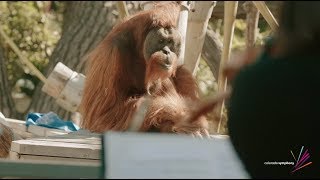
pixel 163 156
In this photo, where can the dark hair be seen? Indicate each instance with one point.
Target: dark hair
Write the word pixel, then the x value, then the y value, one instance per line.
pixel 299 31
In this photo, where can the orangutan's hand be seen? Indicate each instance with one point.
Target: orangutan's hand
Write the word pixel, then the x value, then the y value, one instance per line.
pixel 195 123
pixel 198 128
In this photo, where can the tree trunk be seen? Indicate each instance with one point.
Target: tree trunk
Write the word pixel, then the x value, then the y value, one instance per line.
pixel 211 51
pixel 7 106
pixel 86 23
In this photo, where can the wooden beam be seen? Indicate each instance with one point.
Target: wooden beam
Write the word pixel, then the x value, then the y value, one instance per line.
pixel 122 9
pixel 66 86
pixel 196 31
pixel 228 29
pixel 266 13
pixel 218 13
pixel 182 27
pixel 57 149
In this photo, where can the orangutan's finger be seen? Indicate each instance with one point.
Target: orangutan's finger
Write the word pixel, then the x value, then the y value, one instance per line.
pixel 205 133
pixel 198 134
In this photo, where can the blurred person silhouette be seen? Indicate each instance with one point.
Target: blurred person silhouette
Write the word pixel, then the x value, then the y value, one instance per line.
pixel 275 102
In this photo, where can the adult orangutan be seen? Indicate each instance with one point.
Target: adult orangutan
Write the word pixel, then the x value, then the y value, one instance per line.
pixel 138 58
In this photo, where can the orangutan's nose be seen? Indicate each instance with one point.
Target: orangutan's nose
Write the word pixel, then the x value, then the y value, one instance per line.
pixel 166 50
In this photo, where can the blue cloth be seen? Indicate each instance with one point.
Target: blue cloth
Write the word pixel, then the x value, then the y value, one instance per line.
pixel 50 120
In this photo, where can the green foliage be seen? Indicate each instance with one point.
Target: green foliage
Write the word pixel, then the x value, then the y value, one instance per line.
pixel 206 81
pixel 35 31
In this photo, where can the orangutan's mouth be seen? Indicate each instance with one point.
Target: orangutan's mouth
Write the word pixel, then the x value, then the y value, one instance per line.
pixel 166 66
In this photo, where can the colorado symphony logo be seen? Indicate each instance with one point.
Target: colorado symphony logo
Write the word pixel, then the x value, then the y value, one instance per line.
pixel 300 163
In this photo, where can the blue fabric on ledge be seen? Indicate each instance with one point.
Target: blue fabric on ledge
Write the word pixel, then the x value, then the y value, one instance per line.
pixel 50 120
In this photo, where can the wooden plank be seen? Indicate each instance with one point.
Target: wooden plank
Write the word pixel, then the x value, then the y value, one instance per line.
pixel 66 86
pixel 80 134
pixel 20 128
pixel 59 149
pixel 44 132
pixel 13 155
pixel 59 159
pixel 71 95
pixel 33 130
pixel 16 156
pixel 48 169
pixel 23 134
pixel 17 124
pixel 57 79
pixel 90 140
pixel 85 133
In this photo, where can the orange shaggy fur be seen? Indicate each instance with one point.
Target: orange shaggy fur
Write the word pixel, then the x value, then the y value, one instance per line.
pixel 116 68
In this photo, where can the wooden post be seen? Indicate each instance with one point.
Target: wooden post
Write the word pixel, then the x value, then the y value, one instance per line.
pixel 65 86
pixel 252 23
pixel 123 10
pixel 182 27
pixel 266 13
pixel 196 31
pixel 230 11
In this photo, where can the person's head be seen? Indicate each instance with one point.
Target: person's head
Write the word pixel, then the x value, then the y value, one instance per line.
pixel 299 27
